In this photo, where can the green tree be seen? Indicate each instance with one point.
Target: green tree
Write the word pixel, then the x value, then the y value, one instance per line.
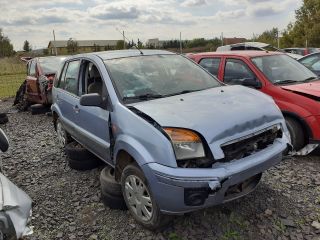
pixel 6 48
pixel 269 36
pixel 306 28
pixel 26 46
pixel 119 45
pixel 72 46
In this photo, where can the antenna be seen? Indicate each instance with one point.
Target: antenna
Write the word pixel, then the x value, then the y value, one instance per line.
pixel 124 37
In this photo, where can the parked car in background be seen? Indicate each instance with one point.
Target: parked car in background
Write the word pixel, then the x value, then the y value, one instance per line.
pixel 38 84
pixel 301 51
pixel 165 125
pixel 15 205
pixel 312 61
pixel 294 88
pixel 253 46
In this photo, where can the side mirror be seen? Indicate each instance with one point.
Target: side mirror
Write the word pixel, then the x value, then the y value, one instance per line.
pixel 91 99
pixel 4 143
pixel 252 82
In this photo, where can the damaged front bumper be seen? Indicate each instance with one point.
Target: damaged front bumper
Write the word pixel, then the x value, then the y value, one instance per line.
pixel 15 209
pixel 180 190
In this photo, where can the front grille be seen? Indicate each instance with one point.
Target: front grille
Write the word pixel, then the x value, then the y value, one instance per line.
pixel 246 146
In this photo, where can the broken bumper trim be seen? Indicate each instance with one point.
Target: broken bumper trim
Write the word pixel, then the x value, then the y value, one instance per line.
pixel 168 184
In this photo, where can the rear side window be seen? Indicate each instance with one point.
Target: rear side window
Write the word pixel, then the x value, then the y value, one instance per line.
pixel 236 71
pixel 32 68
pixel 211 65
pixel 71 77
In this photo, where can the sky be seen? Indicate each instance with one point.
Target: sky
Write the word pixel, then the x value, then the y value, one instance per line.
pixel 35 20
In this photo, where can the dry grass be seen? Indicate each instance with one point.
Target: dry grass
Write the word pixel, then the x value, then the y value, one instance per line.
pixel 12 74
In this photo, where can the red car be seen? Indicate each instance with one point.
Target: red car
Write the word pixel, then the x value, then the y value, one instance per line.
pixel 38 84
pixel 294 88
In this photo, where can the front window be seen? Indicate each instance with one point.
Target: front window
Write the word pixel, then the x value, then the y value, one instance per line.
pixel 50 64
pixel 282 69
pixel 148 77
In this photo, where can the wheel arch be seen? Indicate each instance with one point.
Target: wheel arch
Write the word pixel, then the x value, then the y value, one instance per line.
pixel 306 128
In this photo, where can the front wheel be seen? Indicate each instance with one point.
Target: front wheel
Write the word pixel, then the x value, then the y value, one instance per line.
pixel 139 199
pixel 296 133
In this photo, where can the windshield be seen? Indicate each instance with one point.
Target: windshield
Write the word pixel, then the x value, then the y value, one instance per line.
pixel 50 64
pixel 282 69
pixel 158 76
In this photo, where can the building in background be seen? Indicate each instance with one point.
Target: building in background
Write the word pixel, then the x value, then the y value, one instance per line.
pixel 60 47
pixel 155 43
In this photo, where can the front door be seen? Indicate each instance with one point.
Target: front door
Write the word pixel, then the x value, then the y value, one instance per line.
pixel 94 121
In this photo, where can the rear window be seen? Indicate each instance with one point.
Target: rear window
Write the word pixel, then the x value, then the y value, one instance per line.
pixel 50 64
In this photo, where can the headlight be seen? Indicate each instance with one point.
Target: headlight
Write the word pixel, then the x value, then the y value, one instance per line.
pixel 186 143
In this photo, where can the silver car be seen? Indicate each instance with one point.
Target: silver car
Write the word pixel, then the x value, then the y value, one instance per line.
pixel 15 205
pixel 178 139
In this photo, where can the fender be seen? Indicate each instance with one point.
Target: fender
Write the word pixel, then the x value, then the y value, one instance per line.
pixel 293 108
pixel 133 148
pixel 305 125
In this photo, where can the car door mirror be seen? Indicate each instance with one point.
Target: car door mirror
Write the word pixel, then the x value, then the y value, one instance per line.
pixel 91 99
pixel 252 82
pixel 4 143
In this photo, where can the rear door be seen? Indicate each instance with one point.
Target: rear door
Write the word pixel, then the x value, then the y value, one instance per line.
pixel 32 89
pixel 211 64
pixel 67 96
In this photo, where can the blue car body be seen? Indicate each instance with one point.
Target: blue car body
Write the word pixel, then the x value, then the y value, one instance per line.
pixel 221 116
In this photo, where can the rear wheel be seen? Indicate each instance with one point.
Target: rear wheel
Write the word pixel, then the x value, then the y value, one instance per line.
pixel 140 201
pixel 296 133
pixel 62 135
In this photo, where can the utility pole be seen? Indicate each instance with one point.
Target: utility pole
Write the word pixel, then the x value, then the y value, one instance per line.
pixel 278 39
pixel 222 39
pixel 306 43
pixel 124 40
pixel 180 44
pixel 54 39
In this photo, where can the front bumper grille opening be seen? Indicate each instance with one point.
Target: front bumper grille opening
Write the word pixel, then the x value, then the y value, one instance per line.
pixel 248 146
pixel 242 188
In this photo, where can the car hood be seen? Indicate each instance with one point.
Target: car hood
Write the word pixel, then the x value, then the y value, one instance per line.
pixel 218 114
pixel 305 89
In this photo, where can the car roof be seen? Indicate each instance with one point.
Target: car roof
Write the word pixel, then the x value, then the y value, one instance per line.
pixel 309 55
pixel 245 53
pixel 106 55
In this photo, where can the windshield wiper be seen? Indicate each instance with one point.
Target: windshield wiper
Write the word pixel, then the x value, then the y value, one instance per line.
pixel 310 79
pixel 144 96
pixel 183 92
pixel 285 81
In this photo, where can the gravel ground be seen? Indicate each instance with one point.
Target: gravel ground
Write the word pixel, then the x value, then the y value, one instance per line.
pixel 286 204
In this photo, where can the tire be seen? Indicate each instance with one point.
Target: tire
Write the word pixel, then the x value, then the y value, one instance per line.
pixel 113 202
pixel 296 133
pixel 108 184
pixel 83 165
pixel 62 135
pixel 77 152
pixel 156 220
pixel 38 109
pixel 21 99
pixel 4 119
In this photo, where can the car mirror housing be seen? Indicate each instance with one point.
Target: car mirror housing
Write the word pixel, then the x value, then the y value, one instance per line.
pixel 91 99
pixel 252 82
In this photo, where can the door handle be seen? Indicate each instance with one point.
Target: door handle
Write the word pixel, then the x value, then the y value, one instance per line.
pixel 76 109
